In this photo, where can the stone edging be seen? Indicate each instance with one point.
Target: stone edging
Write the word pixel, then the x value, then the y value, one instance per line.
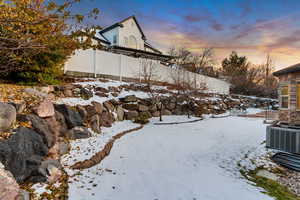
pixel 171 123
pixel 98 157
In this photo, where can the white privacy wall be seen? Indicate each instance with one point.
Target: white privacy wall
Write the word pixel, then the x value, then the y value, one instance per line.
pixel 106 63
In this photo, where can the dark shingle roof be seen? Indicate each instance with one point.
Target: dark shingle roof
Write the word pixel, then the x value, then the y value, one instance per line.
pixel 290 69
pixel 121 25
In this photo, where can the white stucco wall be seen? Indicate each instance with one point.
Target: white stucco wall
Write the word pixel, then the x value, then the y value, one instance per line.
pixel 102 62
pixel 130 28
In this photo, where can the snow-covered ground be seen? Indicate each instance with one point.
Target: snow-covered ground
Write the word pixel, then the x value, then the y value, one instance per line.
pixel 196 161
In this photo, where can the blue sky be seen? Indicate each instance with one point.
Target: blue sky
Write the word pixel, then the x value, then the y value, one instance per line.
pixel 251 27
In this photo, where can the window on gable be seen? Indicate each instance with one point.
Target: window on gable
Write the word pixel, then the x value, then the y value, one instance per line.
pixel 115 39
pixel 284 96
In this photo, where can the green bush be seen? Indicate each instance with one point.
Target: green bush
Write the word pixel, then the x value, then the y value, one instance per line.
pixel 44 68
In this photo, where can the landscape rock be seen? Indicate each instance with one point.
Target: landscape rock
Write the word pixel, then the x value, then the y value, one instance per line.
pixel 83 113
pixel 78 132
pixel 106 119
pixel 143 108
pixel 120 113
pixel 61 120
pixel 20 107
pixel 9 189
pixel 166 112
pixel 72 117
pixel 131 106
pixel 266 174
pixel 129 98
pixel 155 114
pixel 63 148
pixel 42 128
pixel 8 116
pixel 86 94
pixel 115 94
pixel 95 124
pixel 108 106
pixel 22 153
pixel 101 94
pixel 101 89
pixel 45 109
pixel 51 169
pixel 98 107
pixel 68 93
pixel 130 115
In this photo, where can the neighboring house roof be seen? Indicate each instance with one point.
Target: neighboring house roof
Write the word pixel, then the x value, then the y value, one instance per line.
pixel 290 69
pixel 151 47
pixel 121 25
pixel 101 37
pixel 139 53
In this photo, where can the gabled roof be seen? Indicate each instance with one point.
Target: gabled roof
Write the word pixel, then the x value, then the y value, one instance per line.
pixel 120 24
pixel 290 69
pixel 101 38
pixel 139 53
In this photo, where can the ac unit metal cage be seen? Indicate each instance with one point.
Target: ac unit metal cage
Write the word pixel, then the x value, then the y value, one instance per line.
pixel 283 139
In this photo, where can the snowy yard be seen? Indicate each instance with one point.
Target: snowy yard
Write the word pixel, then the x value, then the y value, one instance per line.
pixel 185 161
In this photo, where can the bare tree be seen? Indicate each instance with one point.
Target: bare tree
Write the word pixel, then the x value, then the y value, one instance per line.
pixel 186 87
pixel 149 75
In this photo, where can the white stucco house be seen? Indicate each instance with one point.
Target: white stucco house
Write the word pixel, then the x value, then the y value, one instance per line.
pixel 126 33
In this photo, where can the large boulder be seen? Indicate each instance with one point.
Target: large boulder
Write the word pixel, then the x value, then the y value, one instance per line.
pixel 95 124
pixel 22 154
pixel 9 189
pixel 61 120
pixel 166 112
pixel 45 109
pixel 129 98
pixel 106 119
pixel 143 108
pixel 130 115
pixel 8 115
pixel 101 89
pixel 42 127
pixel 78 132
pixel 109 106
pixel 131 106
pixel 120 113
pixel 72 117
pixel 51 169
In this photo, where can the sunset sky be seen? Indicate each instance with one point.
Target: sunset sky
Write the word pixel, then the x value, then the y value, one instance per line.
pixel 253 28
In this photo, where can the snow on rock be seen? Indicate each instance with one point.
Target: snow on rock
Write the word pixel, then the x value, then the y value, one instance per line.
pixel 185 161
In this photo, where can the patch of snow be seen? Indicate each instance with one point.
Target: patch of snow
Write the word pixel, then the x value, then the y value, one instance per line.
pixel 185 161
pixel 83 149
pixel 73 101
pixel 40 188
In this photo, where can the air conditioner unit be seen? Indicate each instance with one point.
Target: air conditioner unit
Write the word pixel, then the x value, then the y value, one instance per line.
pixel 283 139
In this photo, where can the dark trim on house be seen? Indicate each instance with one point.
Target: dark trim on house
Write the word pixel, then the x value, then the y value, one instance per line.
pixel 151 47
pixel 121 25
pixel 291 69
pixel 139 53
pixel 104 41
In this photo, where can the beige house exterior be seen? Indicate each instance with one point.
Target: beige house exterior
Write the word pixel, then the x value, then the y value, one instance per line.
pixel 289 94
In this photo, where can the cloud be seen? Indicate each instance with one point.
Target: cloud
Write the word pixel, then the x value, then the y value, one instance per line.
pixel 204 17
pixel 246 8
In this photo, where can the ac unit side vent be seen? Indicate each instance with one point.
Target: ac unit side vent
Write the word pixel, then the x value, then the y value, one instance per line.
pixel 283 139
